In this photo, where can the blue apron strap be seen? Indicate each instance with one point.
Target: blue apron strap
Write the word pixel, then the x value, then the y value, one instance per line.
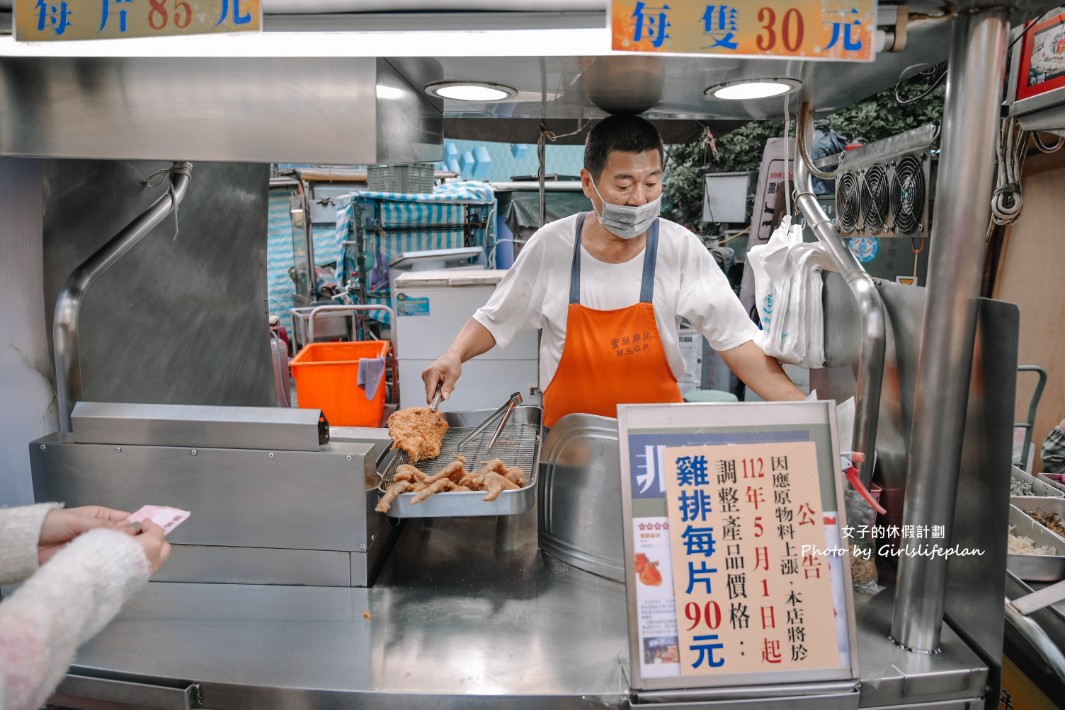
pixel 575 270
pixel 650 257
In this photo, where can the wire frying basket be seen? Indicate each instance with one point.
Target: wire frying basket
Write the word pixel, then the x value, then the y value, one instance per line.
pixel 518 445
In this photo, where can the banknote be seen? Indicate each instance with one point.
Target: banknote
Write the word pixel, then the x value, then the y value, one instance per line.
pixel 162 515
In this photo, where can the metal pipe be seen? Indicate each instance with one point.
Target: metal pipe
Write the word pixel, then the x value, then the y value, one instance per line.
pixel 970 131
pixel 552 185
pixel 68 305
pixel 870 308
pixel 1040 640
pixel 1028 423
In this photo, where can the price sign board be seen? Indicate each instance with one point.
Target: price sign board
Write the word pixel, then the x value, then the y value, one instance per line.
pixel 737 571
pixel 58 20
pixel 838 30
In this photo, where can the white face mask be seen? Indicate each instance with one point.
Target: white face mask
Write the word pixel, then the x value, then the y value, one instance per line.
pixel 627 222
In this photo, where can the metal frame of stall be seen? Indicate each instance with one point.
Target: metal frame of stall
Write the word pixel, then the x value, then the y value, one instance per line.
pixel 429 616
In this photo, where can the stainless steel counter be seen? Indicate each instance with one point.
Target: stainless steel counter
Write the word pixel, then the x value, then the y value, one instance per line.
pixel 466 613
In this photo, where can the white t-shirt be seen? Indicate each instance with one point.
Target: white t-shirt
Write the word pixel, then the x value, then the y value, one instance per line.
pixel 689 284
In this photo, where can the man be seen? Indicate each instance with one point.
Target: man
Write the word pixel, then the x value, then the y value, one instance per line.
pixel 1053 450
pixel 609 289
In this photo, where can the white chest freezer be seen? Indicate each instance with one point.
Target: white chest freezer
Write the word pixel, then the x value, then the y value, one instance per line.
pixel 431 307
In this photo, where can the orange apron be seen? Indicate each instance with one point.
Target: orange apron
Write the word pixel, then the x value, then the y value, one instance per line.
pixel 610 357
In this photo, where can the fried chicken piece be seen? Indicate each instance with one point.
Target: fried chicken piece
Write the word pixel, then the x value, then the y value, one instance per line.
pixel 454 472
pixel 495 484
pixel 475 481
pixel 515 475
pixel 442 484
pixel 406 472
pixel 496 465
pixel 418 431
pixel 494 477
pixel 470 482
pixel 391 493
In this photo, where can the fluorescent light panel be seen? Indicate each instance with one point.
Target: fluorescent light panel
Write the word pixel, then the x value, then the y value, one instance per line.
pixel 753 89
pixel 470 91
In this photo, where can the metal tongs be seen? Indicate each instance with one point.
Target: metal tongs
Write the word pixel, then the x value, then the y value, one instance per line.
pixel 502 413
pixel 435 404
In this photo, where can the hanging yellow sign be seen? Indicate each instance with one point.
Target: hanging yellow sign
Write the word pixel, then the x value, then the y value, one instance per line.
pixel 58 20
pixel 839 30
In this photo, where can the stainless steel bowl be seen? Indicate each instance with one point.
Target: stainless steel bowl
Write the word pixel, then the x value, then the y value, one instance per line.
pixel 579 499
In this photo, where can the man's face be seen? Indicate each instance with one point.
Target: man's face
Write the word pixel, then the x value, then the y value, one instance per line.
pixel 631 179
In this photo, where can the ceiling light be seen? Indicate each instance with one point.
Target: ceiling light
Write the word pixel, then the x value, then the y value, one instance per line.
pixel 746 89
pixel 470 90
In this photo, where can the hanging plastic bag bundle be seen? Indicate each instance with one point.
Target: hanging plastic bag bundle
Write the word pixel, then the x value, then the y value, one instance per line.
pixel 788 289
pixel 804 319
pixel 768 264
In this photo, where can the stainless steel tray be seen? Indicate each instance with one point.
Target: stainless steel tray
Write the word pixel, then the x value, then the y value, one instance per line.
pixel 1035 568
pixel 1040 487
pixel 518 445
pixel 1050 504
pixel 1050 482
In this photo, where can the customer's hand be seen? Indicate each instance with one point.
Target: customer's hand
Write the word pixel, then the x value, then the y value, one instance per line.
pixel 156 548
pixel 61 526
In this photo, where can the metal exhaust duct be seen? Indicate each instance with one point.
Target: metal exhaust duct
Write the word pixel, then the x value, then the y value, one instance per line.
pixel 68 305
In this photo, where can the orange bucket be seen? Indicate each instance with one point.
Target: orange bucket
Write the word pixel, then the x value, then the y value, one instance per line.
pixel 327 376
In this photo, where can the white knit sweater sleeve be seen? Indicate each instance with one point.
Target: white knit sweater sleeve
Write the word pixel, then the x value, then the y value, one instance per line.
pixel 20 528
pixel 70 599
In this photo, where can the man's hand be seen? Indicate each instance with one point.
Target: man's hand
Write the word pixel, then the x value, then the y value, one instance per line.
pixel 61 526
pixel 444 372
pixel 472 340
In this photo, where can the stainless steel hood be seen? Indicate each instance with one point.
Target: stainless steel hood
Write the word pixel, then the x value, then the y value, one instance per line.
pixel 306 89
pixel 234 109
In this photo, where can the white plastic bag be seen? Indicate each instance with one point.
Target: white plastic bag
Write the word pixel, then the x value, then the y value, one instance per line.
pixel 788 288
pixel 768 263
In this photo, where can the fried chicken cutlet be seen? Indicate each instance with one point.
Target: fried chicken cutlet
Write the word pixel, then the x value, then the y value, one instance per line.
pixel 418 431
pixel 494 478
